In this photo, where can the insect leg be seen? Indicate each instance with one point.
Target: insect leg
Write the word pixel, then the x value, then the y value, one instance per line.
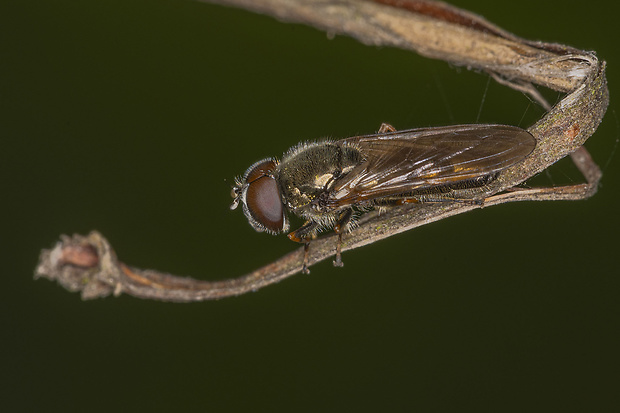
pixel 339 228
pixel 304 234
pixel 304 266
pixel 386 127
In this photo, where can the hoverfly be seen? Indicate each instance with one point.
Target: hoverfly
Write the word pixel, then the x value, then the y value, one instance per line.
pixel 330 183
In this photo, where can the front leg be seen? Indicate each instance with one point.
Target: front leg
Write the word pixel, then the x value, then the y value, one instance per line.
pixel 304 234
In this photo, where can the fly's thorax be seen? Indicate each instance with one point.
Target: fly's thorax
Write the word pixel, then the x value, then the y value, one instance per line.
pixel 308 171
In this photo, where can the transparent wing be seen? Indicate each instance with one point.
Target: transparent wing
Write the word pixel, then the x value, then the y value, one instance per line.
pixel 402 161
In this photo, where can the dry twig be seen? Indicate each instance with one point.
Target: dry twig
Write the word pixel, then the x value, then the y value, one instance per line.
pixel 434 29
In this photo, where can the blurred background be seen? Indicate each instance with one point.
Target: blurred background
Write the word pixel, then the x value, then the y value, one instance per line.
pixel 133 117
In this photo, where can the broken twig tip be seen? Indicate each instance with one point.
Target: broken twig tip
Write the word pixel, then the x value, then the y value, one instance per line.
pixel 74 262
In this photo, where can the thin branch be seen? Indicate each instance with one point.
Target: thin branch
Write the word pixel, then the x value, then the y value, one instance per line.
pixel 434 29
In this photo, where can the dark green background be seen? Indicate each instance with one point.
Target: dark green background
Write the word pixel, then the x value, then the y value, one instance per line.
pixel 132 118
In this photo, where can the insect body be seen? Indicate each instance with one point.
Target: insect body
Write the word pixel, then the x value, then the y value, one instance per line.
pixel 326 183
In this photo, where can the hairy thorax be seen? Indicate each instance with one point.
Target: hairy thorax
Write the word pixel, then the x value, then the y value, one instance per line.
pixel 308 171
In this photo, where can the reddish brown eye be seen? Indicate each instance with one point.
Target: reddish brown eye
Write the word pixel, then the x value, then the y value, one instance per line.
pixel 263 202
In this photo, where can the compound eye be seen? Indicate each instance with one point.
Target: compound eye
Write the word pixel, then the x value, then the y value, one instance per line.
pixel 263 202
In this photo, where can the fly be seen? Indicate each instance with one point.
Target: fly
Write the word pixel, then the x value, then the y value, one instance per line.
pixel 330 183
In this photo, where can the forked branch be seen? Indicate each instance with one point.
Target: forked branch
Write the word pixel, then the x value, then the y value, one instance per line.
pixel 434 29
